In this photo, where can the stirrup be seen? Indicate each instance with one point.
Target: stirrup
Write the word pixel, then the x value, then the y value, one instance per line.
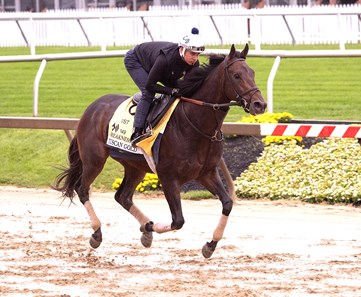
pixel 140 138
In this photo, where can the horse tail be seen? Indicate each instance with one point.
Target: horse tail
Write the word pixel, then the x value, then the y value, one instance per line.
pixel 69 180
pixel 228 178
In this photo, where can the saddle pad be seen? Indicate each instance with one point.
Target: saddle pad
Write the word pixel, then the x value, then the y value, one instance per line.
pixel 146 144
pixel 120 128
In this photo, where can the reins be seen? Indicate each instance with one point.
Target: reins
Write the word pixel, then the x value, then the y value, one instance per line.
pixel 218 134
pixel 215 106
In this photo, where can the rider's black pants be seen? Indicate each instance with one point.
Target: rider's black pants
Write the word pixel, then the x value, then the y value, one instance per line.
pixel 139 76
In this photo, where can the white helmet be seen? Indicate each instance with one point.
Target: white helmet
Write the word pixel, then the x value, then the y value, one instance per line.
pixel 192 42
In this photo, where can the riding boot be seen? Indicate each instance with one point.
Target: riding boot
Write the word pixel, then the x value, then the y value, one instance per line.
pixel 138 135
pixel 139 122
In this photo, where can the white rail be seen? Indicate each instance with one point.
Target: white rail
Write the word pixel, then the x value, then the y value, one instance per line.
pixel 324 129
pixel 121 53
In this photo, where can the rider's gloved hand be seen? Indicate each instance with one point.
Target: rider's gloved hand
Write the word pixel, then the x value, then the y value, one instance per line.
pixel 176 93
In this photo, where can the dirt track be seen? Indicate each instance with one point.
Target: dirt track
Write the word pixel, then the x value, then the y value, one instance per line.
pixel 269 249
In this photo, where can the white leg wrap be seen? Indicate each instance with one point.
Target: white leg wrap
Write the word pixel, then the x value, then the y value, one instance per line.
pixel 95 222
pixel 161 228
pixel 140 217
pixel 218 232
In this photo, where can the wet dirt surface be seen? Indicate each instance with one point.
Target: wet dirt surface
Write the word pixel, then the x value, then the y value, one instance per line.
pixel 269 248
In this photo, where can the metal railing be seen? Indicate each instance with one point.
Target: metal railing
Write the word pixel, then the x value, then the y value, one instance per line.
pixel 319 129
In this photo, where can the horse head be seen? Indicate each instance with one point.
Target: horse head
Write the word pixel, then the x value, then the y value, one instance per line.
pixel 239 84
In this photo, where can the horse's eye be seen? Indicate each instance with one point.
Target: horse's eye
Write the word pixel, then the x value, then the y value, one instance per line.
pixel 237 76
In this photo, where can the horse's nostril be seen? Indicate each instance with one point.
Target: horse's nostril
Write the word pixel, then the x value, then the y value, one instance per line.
pixel 259 105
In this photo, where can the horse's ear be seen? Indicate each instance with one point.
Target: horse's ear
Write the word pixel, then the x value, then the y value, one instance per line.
pixel 232 52
pixel 245 51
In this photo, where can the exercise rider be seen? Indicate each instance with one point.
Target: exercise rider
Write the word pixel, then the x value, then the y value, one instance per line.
pixel 155 67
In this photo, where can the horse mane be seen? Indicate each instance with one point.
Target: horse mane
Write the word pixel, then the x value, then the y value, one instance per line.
pixel 195 78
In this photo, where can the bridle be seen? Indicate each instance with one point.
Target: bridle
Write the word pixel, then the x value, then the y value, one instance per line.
pixel 240 98
pixel 240 101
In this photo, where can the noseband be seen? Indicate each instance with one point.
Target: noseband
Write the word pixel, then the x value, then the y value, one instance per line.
pixel 240 98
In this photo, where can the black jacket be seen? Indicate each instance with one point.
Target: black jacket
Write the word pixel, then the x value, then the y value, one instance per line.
pixel 164 64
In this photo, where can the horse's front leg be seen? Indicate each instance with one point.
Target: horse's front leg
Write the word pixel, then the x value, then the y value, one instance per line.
pixel 147 227
pixel 172 194
pixel 145 223
pixel 213 183
pixel 124 196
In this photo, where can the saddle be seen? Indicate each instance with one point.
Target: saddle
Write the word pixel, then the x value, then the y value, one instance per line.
pixel 121 124
pixel 158 108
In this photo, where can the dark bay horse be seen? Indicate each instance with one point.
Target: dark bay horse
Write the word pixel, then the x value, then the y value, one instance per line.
pixel 191 147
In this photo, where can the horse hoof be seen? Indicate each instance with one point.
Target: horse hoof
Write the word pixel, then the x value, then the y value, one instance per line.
pixel 96 239
pixel 94 243
pixel 208 249
pixel 147 239
pixel 206 252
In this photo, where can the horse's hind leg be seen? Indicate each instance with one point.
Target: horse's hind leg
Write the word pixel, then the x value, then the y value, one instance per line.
pixel 124 196
pixel 93 164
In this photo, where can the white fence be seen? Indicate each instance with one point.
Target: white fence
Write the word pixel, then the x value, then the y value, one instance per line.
pixel 323 130
pixel 218 25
